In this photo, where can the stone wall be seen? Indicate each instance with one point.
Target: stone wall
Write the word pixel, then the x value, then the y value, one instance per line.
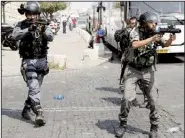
pixel 11 14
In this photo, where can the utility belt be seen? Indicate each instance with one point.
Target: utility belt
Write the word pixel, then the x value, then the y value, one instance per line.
pixel 139 67
pixel 34 56
pixel 26 78
pixel 24 71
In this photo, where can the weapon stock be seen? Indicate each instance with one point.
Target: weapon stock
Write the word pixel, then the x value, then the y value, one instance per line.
pixel 41 22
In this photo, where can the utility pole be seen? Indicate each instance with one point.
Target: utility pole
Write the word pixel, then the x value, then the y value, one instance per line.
pixel 3 11
pixel 3 3
pixel 99 10
pixel 94 16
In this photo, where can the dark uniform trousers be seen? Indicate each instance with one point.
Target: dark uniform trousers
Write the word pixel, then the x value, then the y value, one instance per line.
pixel 35 69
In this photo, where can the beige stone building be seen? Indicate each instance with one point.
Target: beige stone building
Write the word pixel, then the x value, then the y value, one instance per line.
pixel 11 14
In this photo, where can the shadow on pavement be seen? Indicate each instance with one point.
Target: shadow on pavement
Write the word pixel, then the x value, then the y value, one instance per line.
pixel 112 125
pixel 114 100
pixel 110 89
pixel 15 114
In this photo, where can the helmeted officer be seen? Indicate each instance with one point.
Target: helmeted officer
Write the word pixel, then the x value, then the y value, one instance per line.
pixel 141 58
pixel 33 51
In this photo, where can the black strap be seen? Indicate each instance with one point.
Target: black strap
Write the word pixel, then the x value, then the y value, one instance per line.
pixel 30 70
pixel 123 67
pixel 121 75
pixel 32 77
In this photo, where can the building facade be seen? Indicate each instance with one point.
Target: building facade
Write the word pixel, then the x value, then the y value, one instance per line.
pixel 11 14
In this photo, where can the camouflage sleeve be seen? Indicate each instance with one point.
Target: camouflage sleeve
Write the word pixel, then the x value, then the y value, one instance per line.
pixel 134 35
pixel 19 33
pixel 49 34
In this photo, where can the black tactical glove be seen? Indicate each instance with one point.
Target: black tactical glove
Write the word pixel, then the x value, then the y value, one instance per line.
pixel 43 28
pixel 33 27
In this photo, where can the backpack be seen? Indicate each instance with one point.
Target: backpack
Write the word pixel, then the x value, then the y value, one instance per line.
pixel 123 38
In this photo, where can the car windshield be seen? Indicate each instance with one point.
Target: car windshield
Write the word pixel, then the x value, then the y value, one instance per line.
pixel 81 22
pixel 171 21
pixel 158 7
pixel 82 18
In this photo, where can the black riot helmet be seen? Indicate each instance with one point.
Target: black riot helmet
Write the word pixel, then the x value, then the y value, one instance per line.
pixel 148 17
pixel 30 7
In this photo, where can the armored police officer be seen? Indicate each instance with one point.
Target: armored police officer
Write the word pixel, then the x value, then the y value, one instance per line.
pixel 141 58
pixel 33 51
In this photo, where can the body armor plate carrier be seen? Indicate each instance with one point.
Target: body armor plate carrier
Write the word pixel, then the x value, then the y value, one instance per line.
pixel 34 45
pixel 143 57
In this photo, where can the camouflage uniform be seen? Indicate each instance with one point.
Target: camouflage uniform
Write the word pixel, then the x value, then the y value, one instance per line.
pixel 123 64
pixel 132 75
pixel 141 66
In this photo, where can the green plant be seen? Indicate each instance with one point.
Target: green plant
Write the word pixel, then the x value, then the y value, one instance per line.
pixel 56 66
pixel 48 8
pixel 116 5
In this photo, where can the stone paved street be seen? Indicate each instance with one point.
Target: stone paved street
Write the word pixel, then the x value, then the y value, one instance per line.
pixel 91 101
pixel 88 79
pixel 91 104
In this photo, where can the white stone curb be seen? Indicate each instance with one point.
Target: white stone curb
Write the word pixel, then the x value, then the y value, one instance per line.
pixel 57 59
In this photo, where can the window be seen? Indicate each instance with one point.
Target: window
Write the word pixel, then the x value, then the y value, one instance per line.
pixel 81 22
pixel 171 21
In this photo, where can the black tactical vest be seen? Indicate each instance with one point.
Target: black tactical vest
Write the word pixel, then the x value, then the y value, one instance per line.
pixel 33 45
pixel 143 57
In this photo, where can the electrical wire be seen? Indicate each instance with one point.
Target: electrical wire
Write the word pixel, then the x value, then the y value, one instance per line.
pixel 152 7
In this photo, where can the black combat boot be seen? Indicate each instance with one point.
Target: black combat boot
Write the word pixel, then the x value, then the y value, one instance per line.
pixel 153 131
pixel 135 102
pixel 121 130
pixel 26 110
pixel 39 120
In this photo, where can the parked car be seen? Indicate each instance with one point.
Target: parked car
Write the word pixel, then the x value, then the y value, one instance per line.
pixel 6 37
pixel 81 24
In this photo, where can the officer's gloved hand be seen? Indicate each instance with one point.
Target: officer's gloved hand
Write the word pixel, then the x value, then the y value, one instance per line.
pixel 156 38
pixel 43 28
pixel 33 27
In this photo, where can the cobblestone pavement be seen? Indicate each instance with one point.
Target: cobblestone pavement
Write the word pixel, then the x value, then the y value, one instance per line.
pixel 91 104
